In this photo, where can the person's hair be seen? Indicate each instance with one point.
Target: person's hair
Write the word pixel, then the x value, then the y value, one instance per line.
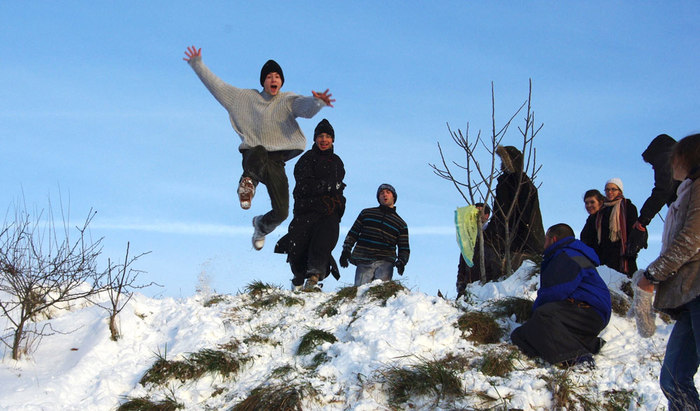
pixel 560 230
pixel 487 209
pixel 594 193
pixel 687 151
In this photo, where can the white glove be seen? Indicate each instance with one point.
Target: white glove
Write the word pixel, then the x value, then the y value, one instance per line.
pixel 642 309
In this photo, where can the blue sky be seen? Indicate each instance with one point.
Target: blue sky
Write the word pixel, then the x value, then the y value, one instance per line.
pixel 98 108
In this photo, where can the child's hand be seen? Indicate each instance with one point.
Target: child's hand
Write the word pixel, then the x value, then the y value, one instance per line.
pixel 325 96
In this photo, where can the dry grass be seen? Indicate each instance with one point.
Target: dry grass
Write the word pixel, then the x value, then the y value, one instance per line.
pixel 312 339
pixel 385 290
pixel 520 307
pixel 193 367
pixel 499 362
pixel 282 397
pixel 479 327
pixel 426 378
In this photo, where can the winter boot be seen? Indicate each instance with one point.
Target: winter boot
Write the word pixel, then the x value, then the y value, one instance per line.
pixel 258 236
pixel 312 283
pixel 246 191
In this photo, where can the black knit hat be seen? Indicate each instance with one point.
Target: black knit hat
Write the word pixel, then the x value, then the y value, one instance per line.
pixel 270 67
pixel 324 127
pixel 386 187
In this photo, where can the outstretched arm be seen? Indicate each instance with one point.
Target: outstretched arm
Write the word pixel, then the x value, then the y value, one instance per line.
pixel 325 96
pixel 192 52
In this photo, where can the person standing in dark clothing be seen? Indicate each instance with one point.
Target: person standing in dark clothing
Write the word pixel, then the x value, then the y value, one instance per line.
pixel 517 204
pixel 658 155
pixel 319 205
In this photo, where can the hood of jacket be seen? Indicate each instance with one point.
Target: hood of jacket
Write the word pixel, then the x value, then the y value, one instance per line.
pixel 511 159
pixel 659 149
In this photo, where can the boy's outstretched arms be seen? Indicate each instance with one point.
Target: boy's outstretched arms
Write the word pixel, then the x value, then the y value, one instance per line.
pixel 325 96
pixel 193 52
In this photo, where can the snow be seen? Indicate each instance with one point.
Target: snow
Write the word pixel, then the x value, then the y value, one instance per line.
pixel 80 367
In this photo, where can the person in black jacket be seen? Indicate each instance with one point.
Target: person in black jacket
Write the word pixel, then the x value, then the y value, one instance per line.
pixel 517 203
pixel 658 154
pixel 319 205
pixel 376 235
pixel 607 231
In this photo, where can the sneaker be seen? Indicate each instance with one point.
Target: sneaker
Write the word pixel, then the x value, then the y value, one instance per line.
pixel 246 191
pixel 311 283
pixel 258 236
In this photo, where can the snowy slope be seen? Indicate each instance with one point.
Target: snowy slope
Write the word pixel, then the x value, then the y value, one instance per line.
pixel 81 368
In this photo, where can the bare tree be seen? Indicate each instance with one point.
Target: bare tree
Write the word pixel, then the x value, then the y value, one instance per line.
pixel 41 267
pixel 474 180
pixel 120 281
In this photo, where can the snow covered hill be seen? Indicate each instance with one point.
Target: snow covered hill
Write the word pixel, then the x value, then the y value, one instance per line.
pixel 378 346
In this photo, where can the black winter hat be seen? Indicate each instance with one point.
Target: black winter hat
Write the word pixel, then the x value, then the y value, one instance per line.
pixel 270 67
pixel 389 187
pixel 324 126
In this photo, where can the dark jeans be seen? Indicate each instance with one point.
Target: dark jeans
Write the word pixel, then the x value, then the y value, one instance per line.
pixel 268 168
pixel 681 360
pixel 560 331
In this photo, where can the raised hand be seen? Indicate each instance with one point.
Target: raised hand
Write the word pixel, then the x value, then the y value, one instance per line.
pixel 192 52
pixel 325 96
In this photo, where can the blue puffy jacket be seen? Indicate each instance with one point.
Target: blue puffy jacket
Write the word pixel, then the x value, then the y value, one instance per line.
pixel 569 271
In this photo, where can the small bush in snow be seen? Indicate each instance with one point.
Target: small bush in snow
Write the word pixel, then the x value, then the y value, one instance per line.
pixel 620 303
pixel 277 397
pixel 620 400
pixel 258 288
pixel 566 394
pixel 385 290
pixel 427 378
pixel 145 404
pixel 192 368
pixel 479 327
pixel 282 372
pixel 498 362
pixel 330 307
pixel 312 339
pixel 214 300
pixel 273 299
pixel 505 307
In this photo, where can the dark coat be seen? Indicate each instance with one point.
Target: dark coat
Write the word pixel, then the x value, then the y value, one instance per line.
pixel 610 253
pixel 319 205
pixel 572 307
pixel 515 188
pixel 658 154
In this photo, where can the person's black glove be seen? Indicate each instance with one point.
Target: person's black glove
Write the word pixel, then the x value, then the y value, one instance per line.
pixel 400 266
pixel 637 240
pixel 344 257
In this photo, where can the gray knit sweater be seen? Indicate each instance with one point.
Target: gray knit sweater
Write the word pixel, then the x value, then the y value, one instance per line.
pixel 259 118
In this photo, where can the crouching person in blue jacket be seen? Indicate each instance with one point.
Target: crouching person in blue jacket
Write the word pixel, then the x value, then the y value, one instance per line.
pixel 572 305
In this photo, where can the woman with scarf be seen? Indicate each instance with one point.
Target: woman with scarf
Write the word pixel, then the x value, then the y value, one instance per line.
pixel 676 276
pixel 607 230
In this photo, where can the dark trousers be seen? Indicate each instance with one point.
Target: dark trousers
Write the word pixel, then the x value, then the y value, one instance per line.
pixel 313 244
pixel 560 331
pixel 267 167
